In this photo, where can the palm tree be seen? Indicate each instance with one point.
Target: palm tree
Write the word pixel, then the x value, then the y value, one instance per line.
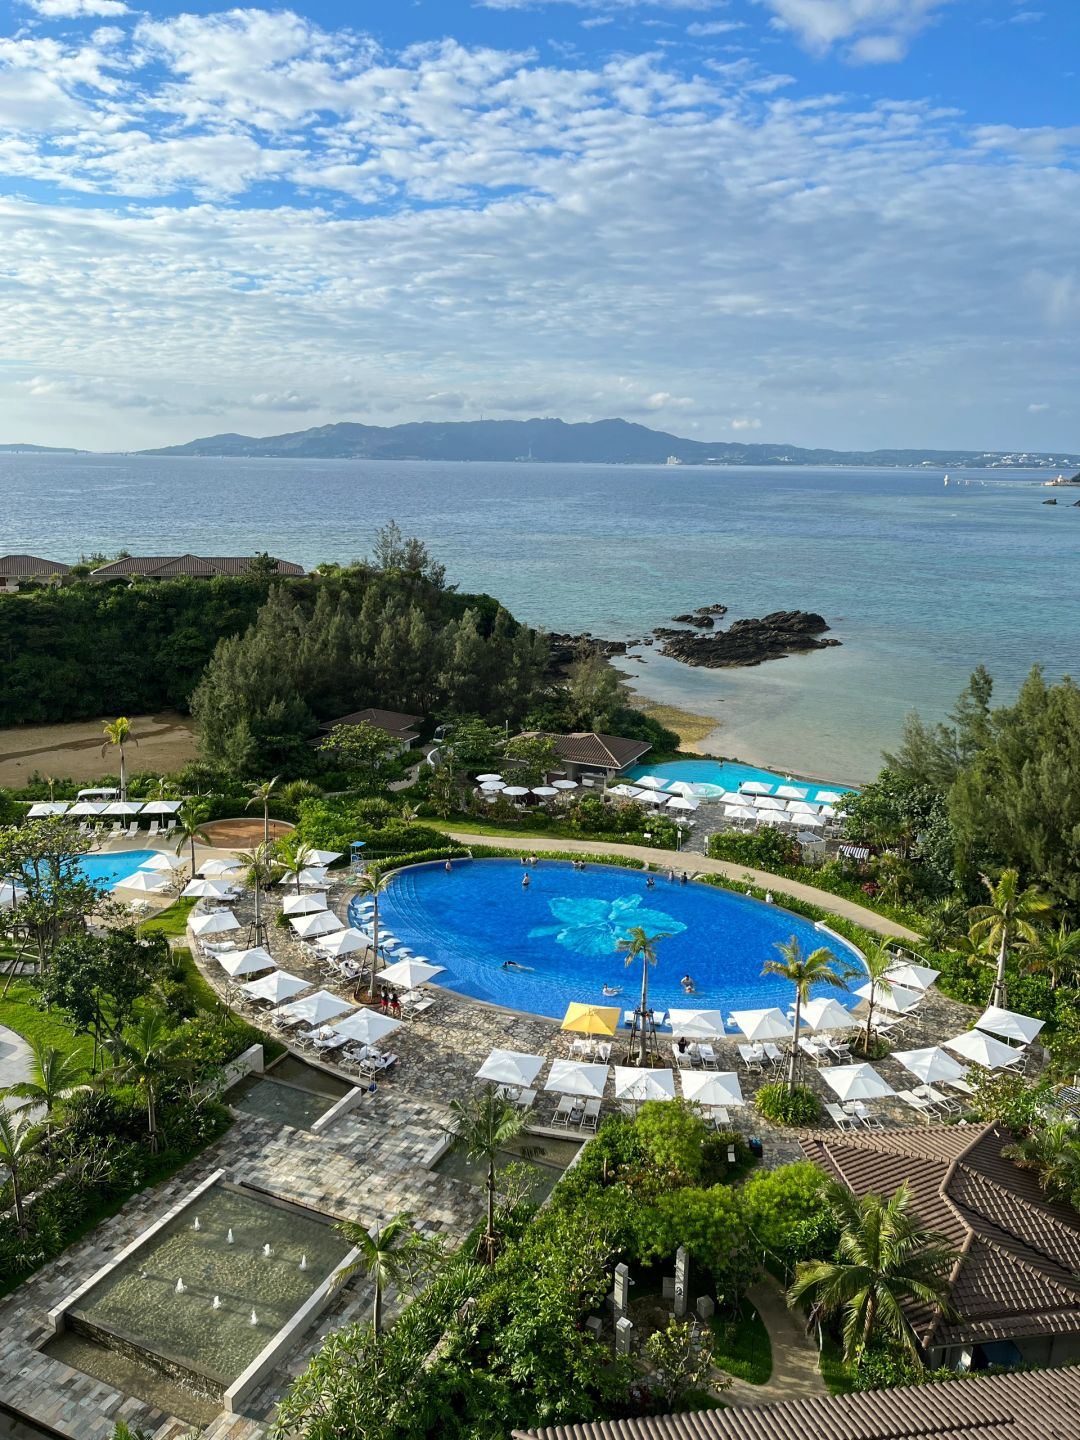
pixel 636 945
pixel 1009 916
pixel 883 1258
pixel 484 1125
pixel 55 1077
pixel 392 1254
pixel 293 855
pixel 1053 1153
pixel 261 793
pixel 145 1060
pixel 260 863
pixel 118 733
pixel 19 1138
pixel 373 885
pixel 878 959
pixel 190 819
pixel 1057 952
pixel 804 972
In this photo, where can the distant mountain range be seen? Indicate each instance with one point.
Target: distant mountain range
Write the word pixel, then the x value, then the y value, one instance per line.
pixel 38 450
pixel 610 442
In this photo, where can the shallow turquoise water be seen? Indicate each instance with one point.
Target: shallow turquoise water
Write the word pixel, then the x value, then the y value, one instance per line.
pixel 725 773
pixel 108 869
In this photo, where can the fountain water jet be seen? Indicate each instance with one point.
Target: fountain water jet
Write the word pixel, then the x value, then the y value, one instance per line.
pixel 254 1319
pixel 180 1286
pixel 229 1237
pixel 217 1303
pixel 196 1226
pixel 303 1262
pixel 266 1249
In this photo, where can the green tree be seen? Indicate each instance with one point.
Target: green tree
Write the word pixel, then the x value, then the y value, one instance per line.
pixel 260 795
pixel 190 819
pixel 529 758
pixel 146 1058
pixel 884 1258
pixel 1009 915
pixel 878 960
pixel 97 980
pixel 1052 1151
pixel 636 945
pixel 1056 953
pixel 395 1254
pixel 393 553
pixel 484 1125
pixel 19 1139
pixel 56 1076
pixel 362 749
pixel 680 1360
pixel 118 732
pixel 293 854
pixel 594 691
pixel 804 972
pixel 42 857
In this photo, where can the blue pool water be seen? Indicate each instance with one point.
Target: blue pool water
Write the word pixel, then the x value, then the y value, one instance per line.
pixel 724 773
pixel 565 927
pixel 108 869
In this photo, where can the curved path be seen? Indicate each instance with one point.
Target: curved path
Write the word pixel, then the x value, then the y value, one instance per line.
pixel 703 864
pixel 795 1373
pixel 16 1058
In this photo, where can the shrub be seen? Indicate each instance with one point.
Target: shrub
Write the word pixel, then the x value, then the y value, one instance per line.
pixel 787 1107
pixel 765 849
pixel 671 1136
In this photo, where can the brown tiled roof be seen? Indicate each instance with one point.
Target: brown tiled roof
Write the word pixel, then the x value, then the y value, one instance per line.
pixel 1040 1405
pixel 27 567
pixel 1020 1253
pixel 165 567
pixel 396 724
pixel 606 752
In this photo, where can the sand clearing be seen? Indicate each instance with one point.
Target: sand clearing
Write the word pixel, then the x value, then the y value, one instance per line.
pixel 242 834
pixel 73 752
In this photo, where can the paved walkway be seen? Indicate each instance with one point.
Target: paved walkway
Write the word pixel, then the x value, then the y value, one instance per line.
pixel 703 864
pixel 16 1059
pixel 795 1374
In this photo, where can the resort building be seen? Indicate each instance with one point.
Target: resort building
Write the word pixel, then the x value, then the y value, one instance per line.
pixel 1044 1405
pixel 175 567
pixel 1015 1287
pixel 402 731
pixel 585 754
pixel 19 570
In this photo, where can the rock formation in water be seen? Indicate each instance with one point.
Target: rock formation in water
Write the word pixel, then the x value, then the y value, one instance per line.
pixel 748 642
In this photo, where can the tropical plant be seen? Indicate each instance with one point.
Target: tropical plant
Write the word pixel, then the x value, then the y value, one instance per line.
pixel 884 1258
pixel 681 1360
pixel 293 854
pixel 1052 1151
pixel 878 960
pixel 636 945
pixel 118 732
pixel 19 1138
pixel 1009 915
pixel 1056 953
pixel 260 865
pixel 260 795
pixel 373 885
pixel 784 1104
pixel 394 1254
pixel 804 972
pixel 190 819
pixel 147 1058
pixel 483 1125
pixel 56 1076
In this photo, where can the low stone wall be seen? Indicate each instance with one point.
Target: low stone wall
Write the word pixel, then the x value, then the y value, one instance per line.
pixel 251 1062
pixel 342 1107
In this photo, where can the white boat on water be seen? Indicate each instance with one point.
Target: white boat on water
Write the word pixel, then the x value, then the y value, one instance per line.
pixel 946 479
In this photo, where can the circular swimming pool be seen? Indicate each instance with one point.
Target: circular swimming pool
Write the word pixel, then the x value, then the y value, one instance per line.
pixel 564 928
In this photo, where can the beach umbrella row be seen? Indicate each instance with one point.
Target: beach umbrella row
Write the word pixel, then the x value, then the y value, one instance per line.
pixel 587 1081
pixel 118 808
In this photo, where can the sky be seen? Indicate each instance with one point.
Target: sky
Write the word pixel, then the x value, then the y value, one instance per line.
pixel 849 223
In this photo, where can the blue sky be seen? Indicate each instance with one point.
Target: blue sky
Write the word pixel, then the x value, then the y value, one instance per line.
pixel 829 222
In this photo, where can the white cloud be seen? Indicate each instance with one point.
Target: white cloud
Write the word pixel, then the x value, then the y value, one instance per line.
pixel 872 31
pixel 76 9
pixel 1039 409
pixel 745 423
pixel 714 27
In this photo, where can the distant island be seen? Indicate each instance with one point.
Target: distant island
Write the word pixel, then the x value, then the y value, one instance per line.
pixel 40 450
pixel 606 442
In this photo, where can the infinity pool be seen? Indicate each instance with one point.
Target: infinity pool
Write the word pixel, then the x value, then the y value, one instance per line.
pixel 106 870
pixel 563 931
pixel 725 775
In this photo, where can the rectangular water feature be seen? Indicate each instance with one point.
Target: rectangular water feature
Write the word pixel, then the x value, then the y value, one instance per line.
pixel 203 1296
pixel 289 1092
pixel 546 1157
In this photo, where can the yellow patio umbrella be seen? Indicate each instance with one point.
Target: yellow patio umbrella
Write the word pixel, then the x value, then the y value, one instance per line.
pixel 591 1019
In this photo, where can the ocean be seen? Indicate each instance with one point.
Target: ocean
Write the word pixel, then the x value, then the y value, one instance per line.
pixel 919 581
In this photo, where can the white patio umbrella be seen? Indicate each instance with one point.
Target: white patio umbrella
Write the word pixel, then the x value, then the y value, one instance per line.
pixel 756 787
pixel 84 807
pixel 305 904
pixel 913 977
pixel 712 1087
pixel 769 802
pixel 829 797
pixel 683 787
pixel 825 1013
pixel 740 812
pixel 759 1025
pixel 314 1009
pixel 811 822
pixel 484 778
pixel 626 792
pixel 774 817
pixel 895 999
pixel 206 890
pixel 683 802
pixel 314 876
pixel 697 1024
pixel 634 1084
pixel 931 1064
pixel 323 922
pixel 566 785
pixel 161 861
pixel 515 790
pixel 1009 1023
pixel 321 857
pixel 651 782
pixel 492 787
pixel 791 792
pixel 856 1082
pixel 122 807
pixel 545 791
pixel 367 1027
pixel 409 973
pixel 572 1077
pixel 511 1067
pixel 827 812
pixel 219 924
pixel 801 807
pixel 653 797
pixel 48 807
pixel 246 962
pixel 214 869
pixel 161 807
pixel 982 1049
pixel 276 988
pixel 342 942
pixel 144 880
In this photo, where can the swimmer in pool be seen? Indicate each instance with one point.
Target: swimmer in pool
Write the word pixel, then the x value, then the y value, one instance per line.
pixel 610 990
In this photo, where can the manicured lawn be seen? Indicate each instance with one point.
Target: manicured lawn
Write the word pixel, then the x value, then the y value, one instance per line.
pixel 172 921
pixel 20 1012
pixel 741 1347
pixel 834 1372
